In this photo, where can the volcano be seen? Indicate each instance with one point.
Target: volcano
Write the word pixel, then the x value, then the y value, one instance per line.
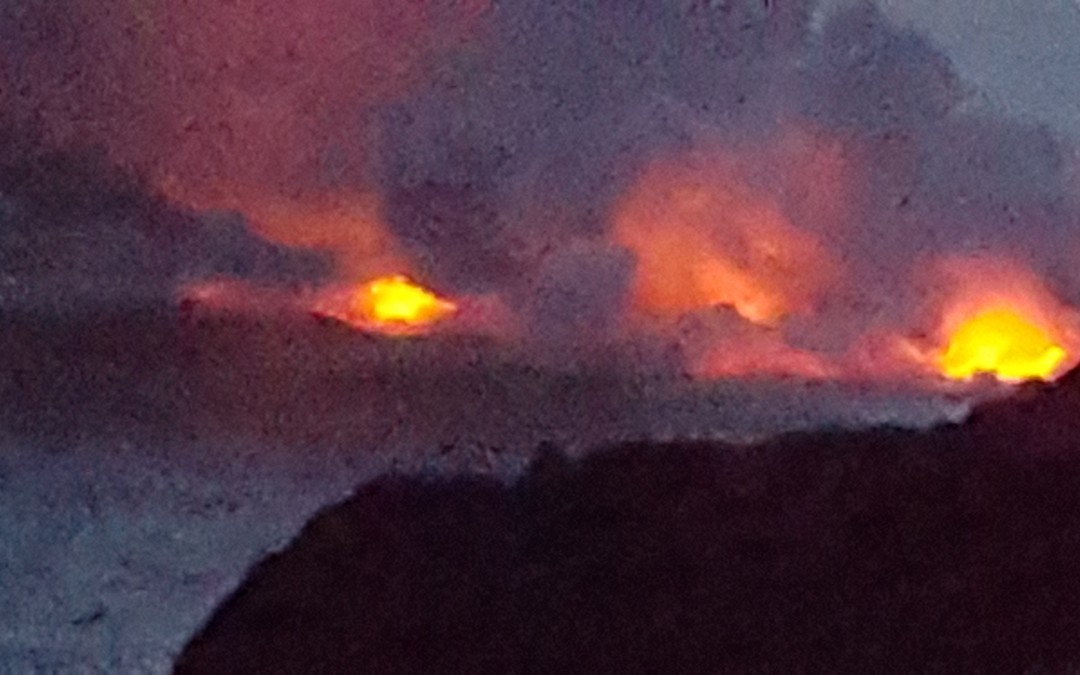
pixel 951 550
pixel 657 326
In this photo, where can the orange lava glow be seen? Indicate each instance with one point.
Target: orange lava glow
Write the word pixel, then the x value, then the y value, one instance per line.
pixel 1003 343
pixel 1002 321
pixel 397 305
pixel 702 239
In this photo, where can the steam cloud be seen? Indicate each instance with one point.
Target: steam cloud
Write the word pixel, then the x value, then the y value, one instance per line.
pixel 496 146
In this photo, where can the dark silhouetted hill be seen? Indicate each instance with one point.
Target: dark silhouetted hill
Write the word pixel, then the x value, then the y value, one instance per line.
pixel 954 550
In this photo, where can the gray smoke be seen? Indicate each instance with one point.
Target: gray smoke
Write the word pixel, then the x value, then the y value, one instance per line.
pixel 525 140
pixel 78 234
pixel 501 150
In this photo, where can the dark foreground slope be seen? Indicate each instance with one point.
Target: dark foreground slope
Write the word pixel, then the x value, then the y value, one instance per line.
pixel 951 551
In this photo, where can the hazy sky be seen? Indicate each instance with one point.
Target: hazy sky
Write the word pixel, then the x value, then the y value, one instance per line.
pixel 1021 55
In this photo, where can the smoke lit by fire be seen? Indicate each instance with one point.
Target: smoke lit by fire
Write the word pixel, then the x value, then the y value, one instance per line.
pixel 225 104
pixel 703 238
pixel 758 214
pixel 348 227
pixel 717 239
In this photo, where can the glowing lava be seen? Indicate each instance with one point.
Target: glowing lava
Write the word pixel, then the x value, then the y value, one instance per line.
pixel 396 304
pixel 1003 343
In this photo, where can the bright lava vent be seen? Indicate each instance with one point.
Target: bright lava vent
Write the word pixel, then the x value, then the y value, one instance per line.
pixel 1003 343
pixel 397 303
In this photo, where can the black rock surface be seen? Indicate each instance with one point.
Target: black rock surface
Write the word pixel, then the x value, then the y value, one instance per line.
pixel 953 550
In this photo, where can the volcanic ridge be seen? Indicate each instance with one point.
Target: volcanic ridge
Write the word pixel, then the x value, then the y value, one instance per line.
pixel 950 550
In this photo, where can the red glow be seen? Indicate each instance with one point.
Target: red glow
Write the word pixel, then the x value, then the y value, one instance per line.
pixel 766 355
pixel 713 231
pixel 702 238
pixel 347 226
pixel 204 95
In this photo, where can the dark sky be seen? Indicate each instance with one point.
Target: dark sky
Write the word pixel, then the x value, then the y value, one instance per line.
pixel 1022 56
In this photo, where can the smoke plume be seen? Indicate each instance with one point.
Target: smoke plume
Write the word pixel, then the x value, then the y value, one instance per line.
pixel 614 169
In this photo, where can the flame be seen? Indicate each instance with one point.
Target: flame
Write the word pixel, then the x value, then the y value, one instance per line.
pixel 1004 343
pixel 395 304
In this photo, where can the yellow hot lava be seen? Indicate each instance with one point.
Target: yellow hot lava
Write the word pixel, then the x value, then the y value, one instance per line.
pixel 397 304
pixel 1004 343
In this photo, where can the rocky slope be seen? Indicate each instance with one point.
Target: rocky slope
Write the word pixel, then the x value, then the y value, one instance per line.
pixel 953 550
